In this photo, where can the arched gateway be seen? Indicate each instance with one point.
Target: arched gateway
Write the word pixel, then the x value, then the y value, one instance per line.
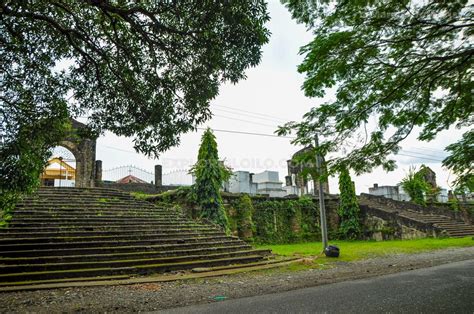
pixel 82 145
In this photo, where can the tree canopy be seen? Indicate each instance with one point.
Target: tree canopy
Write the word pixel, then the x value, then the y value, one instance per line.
pixel 143 69
pixel 395 66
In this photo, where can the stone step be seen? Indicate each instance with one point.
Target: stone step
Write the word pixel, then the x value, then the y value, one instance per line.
pixel 64 280
pixel 79 197
pixel 103 228
pixel 426 219
pixel 96 219
pixel 107 243
pixel 162 235
pixel 99 224
pixel 461 235
pixel 455 227
pixel 78 206
pixel 119 249
pixel 17 233
pixel 92 210
pixel 138 270
pixel 459 230
pixel 89 196
pixel 467 232
pixel 149 236
pixel 21 268
pixel 116 256
pixel 76 191
pixel 86 196
pixel 454 224
pixel 82 201
pixel 62 235
pixel 441 221
pixel 76 215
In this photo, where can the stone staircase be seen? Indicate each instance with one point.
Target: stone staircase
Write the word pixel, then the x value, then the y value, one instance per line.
pixel 440 221
pixel 453 228
pixel 81 234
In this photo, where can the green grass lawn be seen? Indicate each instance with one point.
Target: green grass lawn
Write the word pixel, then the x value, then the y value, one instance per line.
pixel 357 250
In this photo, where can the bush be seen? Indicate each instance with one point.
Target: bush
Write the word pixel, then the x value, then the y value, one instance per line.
pixel 415 186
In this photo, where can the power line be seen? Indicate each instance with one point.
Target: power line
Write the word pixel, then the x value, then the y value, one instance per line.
pixel 421 154
pixel 419 157
pixel 252 112
pixel 237 119
pixel 428 149
pixel 248 115
pixel 119 149
pixel 249 133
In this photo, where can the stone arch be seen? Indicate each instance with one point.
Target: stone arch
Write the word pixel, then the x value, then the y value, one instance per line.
pixel 296 169
pixel 83 146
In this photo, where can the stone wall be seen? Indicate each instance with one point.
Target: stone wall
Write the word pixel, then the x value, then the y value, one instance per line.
pixel 380 224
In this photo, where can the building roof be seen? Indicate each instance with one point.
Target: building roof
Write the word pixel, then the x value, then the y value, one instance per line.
pixel 130 179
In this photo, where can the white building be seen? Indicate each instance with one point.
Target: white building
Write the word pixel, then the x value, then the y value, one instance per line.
pixel 241 182
pixel 442 197
pixel 266 182
pixel 397 193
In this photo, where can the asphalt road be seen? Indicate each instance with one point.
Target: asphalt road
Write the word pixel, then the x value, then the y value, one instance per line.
pixel 442 289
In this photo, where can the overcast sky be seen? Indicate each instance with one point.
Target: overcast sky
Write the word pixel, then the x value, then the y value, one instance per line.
pixel 273 91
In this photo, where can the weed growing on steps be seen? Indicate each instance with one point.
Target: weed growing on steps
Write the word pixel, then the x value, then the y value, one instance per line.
pixel 103 200
pixel 8 201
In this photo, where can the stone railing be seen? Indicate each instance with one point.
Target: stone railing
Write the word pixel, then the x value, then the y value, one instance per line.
pixel 434 209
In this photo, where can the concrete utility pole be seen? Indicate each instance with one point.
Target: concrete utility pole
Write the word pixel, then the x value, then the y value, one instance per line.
pixel 322 208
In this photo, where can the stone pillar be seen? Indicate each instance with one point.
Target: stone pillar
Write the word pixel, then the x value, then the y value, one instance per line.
pixel 98 173
pixel 79 173
pixel 158 175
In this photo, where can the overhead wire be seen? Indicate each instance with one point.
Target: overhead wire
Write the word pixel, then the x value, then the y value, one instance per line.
pixel 252 112
pixel 246 121
pixel 249 133
pixel 249 115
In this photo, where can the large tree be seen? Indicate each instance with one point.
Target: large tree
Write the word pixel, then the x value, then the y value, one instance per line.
pixel 143 69
pixel 396 66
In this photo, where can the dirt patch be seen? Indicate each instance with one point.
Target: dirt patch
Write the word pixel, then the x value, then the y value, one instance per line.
pixel 149 297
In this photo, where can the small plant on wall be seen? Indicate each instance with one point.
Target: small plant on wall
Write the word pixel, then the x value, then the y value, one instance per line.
pixel 210 174
pixel 348 210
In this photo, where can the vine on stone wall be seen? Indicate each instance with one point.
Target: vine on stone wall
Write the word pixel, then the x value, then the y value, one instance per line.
pixel 286 221
pixel 244 212
pixel 348 211
pixel 270 221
